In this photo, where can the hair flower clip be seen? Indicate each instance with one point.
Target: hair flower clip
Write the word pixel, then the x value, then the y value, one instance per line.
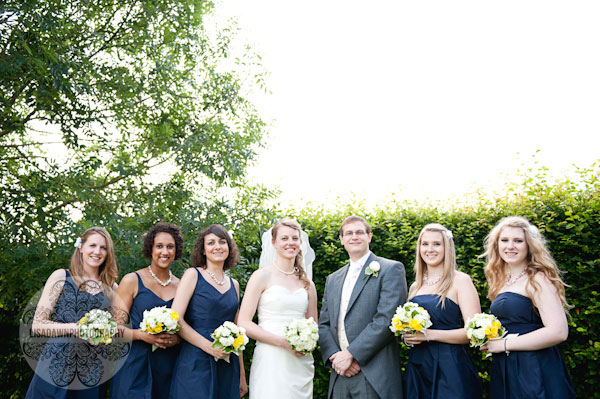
pixel 77 243
pixel 449 234
pixel 533 231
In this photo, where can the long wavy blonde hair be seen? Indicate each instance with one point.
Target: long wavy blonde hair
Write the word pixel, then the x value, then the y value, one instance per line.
pixel 298 268
pixel 108 270
pixel 539 259
pixel 449 261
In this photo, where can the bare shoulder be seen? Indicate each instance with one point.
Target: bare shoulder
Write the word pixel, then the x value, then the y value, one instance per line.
pixel 462 279
pixel 543 280
pixel 259 279
pixel 57 276
pixel 128 279
pixel 190 273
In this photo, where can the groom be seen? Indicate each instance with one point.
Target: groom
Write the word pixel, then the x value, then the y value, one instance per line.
pixel 358 304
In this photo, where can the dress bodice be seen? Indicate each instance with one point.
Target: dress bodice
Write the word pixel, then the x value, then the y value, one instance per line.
pixel 208 308
pixel 516 313
pixel 145 299
pixel 278 306
pixel 447 318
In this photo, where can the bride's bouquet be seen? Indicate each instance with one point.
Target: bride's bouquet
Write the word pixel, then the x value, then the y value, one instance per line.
pixel 482 327
pixel 302 335
pixel 160 319
pixel 230 338
pixel 410 318
pixel 97 326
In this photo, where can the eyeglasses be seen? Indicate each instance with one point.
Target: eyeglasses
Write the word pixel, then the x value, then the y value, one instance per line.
pixel 357 233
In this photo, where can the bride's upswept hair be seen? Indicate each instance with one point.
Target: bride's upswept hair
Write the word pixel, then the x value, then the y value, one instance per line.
pixel 539 259
pixel 449 266
pixel 108 269
pixel 298 268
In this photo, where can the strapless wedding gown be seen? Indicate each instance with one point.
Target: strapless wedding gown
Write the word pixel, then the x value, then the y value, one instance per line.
pixel 275 372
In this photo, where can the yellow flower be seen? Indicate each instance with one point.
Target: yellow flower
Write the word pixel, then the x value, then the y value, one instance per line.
pixel 158 328
pixel 83 320
pixel 108 340
pixel 415 325
pixel 175 315
pixel 238 342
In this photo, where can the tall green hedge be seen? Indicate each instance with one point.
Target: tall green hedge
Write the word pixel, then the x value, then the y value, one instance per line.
pixel 567 213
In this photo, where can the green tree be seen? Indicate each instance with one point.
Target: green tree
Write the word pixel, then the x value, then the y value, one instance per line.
pixel 97 96
pixel 117 113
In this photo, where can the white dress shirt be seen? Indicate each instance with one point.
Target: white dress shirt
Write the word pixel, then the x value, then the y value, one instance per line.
pixel 349 283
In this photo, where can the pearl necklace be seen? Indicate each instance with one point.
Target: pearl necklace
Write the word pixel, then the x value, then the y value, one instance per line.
pixel 430 283
pixel 514 280
pixel 294 269
pixel 158 280
pixel 212 275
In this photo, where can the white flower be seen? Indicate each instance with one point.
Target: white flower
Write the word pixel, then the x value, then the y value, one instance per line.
pixel 449 234
pixel 77 243
pixel 302 334
pixel 533 231
pixel 372 269
pixel 375 266
pixel 227 340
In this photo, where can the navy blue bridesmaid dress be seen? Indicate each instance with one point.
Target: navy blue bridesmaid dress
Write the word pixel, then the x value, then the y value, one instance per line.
pixel 70 367
pixel 197 375
pixel 539 374
pixel 145 374
pixel 437 369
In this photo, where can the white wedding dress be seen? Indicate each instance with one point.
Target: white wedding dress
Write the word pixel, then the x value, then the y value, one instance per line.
pixel 275 372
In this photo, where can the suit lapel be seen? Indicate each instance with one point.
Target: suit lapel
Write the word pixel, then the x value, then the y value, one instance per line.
pixel 360 283
pixel 337 297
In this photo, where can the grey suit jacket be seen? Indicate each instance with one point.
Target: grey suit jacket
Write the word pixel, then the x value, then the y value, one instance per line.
pixel 372 304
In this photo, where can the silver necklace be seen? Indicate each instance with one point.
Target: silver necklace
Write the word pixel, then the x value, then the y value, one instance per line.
pixel 514 280
pixel 430 283
pixel 294 269
pixel 212 275
pixel 158 280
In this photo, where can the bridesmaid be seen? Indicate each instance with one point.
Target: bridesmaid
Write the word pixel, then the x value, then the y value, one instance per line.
pixel 208 298
pixel 147 374
pixel 438 364
pixel 529 300
pixel 68 294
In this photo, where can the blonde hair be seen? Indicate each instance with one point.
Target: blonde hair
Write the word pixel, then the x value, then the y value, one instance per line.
pixel 449 266
pixel 298 268
pixel 108 269
pixel 539 259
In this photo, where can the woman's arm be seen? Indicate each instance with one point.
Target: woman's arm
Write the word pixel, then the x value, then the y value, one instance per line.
pixel 184 293
pixel 243 383
pixel 42 325
pixel 312 303
pixel 554 331
pixel 256 285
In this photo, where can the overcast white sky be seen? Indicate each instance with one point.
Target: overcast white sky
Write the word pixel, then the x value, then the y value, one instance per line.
pixel 425 98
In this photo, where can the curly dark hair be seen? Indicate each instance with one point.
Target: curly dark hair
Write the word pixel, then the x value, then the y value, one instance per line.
pixel 163 227
pixel 198 258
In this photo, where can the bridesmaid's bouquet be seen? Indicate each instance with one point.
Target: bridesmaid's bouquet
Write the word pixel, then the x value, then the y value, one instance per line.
pixel 482 327
pixel 302 335
pixel 97 326
pixel 410 318
pixel 230 338
pixel 160 319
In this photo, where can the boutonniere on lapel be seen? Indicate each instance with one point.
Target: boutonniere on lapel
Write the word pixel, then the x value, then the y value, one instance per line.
pixel 372 269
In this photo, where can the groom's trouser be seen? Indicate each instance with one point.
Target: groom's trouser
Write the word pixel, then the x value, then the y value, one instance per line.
pixel 356 387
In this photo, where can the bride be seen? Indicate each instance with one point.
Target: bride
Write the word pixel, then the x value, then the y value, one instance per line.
pixel 280 292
